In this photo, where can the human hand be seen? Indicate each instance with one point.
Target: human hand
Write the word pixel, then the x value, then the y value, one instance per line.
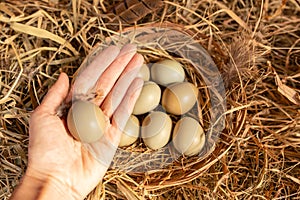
pixel 71 169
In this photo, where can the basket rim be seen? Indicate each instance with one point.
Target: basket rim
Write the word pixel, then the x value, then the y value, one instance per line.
pixel 159 26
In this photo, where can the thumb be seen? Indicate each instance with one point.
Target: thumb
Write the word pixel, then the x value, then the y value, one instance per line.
pixel 56 94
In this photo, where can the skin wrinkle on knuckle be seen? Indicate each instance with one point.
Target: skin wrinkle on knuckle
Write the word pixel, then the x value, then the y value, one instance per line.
pixel 117 94
pixel 57 90
pixel 38 113
pixel 114 135
pixel 104 85
pixel 134 95
pixel 118 61
pixel 120 118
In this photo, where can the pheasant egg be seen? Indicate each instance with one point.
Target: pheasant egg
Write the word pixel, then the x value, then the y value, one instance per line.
pixel 86 121
pixel 156 130
pixel 166 72
pixel 144 73
pixel 188 136
pixel 131 132
pixel 179 98
pixel 149 98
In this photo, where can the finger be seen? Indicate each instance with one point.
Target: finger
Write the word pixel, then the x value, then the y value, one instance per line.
pixel 89 76
pixel 116 95
pixel 105 149
pixel 56 94
pixel 108 79
pixel 124 110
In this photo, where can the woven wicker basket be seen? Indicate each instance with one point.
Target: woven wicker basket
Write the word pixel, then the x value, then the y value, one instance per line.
pixel 157 41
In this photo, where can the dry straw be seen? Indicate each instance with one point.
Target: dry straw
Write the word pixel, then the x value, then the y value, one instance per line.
pixel 255 45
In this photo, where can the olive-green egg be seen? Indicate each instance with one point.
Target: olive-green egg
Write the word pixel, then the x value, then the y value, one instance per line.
pixel 86 121
pixel 144 73
pixel 131 132
pixel 179 98
pixel 167 71
pixel 149 98
pixel 188 136
pixel 156 130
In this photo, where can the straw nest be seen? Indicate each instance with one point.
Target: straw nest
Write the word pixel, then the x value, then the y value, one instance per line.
pixel 255 46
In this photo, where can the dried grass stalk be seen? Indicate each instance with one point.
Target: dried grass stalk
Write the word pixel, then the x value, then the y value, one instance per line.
pixel 254 43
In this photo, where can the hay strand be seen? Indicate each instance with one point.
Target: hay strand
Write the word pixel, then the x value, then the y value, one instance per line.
pixel 255 45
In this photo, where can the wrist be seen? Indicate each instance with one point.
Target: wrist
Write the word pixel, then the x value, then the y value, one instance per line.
pixel 39 187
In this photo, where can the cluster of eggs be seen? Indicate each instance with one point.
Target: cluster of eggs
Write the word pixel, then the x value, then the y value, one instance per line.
pixel 177 97
pixel 167 86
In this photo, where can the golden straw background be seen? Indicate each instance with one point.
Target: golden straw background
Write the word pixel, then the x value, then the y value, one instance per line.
pixel 255 44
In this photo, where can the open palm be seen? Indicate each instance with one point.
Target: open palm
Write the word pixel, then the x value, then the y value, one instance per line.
pixel 74 167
